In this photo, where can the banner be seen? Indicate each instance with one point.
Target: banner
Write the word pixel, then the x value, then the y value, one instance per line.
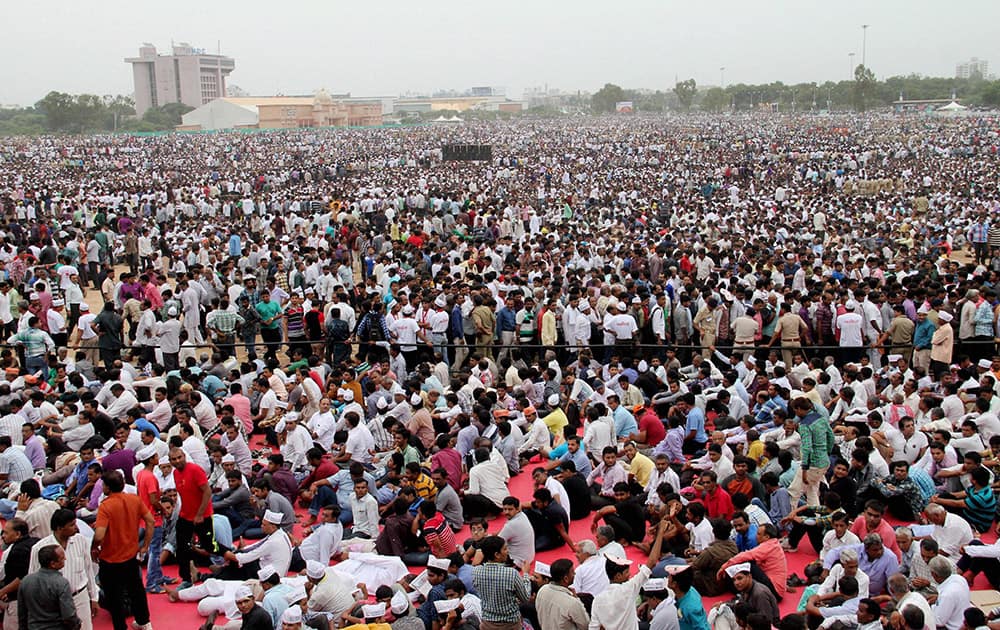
pixel 623 107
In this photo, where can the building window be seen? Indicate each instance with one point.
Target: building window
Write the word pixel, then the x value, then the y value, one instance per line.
pixel 209 87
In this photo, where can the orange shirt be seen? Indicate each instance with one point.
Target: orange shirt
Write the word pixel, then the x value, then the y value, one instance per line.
pixel 190 484
pixel 145 485
pixel 121 514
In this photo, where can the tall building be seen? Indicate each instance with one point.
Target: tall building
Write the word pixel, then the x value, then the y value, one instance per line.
pixel 974 67
pixel 188 75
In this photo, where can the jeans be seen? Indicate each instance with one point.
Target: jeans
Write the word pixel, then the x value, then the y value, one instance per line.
pixel 36 364
pixel 117 578
pixel 7 509
pixel 325 496
pixel 154 572
pixel 186 531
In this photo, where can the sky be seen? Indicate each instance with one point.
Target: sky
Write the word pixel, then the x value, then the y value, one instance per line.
pixel 387 47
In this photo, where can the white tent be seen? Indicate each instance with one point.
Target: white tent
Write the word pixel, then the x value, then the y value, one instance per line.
pixel 952 107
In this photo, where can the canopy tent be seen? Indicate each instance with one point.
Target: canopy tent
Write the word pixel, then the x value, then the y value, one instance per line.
pixel 952 107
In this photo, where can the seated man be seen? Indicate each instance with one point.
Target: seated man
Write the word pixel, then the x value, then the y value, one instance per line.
pixel 902 496
pixel 707 563
pixel 550 521
pixel 837 603
pixel 625 516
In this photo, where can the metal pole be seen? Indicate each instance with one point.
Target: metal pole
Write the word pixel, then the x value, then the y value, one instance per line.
pixel 850 75
pixel 864 44
pixel 722 77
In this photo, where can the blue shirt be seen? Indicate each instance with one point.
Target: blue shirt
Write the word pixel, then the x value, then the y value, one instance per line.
pixel 580 460
pixel 877 570
pixel 235 247
pixel 691 612
pixel 427 612
pixel 672 445
pixel 625 423
pixel 505 320
pixel 696 422
pixel 923 334
pixel 747 541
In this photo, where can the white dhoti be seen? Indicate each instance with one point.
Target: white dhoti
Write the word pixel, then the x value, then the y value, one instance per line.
pixel 722 618
pixel 213 596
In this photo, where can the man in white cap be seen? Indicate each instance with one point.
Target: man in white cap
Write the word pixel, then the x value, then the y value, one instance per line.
pixel 274 549
pixel 275 600
pixel 291 619
pixel 614 607
pixel 330 591
pixel 56 319
pixel 753 594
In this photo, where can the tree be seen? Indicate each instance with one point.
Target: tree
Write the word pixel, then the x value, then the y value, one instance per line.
pixel 685 91
pixel 605 99
pixel 166 116
pixel 864 83
pixel 715 100
pixel 58 110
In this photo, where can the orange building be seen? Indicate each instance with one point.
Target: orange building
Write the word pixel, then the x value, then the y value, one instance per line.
pixel 282 112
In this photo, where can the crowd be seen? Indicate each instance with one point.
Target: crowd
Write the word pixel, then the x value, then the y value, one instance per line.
pixel 338 382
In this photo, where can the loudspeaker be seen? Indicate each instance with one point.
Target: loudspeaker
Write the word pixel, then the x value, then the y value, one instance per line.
pixel 467 153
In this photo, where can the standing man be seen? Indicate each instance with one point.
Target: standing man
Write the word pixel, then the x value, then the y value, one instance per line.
pixel 116 546
pixel 500 587
pixel 37 346
pixel 109 330
pixel 46 601
pixel 78 568
pixel 18 544
pixel 196 512
pixel 817 442
pixel 790 330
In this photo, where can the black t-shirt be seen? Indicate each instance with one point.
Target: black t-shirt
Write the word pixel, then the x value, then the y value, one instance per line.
pixel 579 496
pixel 631 511
pixel 257 619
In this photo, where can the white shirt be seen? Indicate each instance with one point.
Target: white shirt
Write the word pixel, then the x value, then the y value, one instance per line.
pixel 918 600
pixel 323 543
pixel 953 535
pixel 614 607
pixel 79 569
pixel 359 443
pixel 830 584
pixel 275 550
pixel 324 426
pixel 591 576
pixel 701 534
pixel 365 513
pixel 953 599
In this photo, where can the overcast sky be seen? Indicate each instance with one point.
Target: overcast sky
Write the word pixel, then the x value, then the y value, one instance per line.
pixel 385 47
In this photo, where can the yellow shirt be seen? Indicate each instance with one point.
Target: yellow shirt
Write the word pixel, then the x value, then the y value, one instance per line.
pixel 555 421
pixel 756 452
pixel 641 467
pixel 369 626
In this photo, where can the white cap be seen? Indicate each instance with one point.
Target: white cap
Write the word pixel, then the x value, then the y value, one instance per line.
pixel 315 569
pixel 643 366
pixel 654 585
pixel 145 453
pixel 297 594
pixel 32 296
pixel 674 569
pixel 84 306
pixel 272 517
pixel 440 301
pixel 228 459
pixel 382 404
pixel 347 394
pixel 553 400
pixel 752 360
pixel 373 611
pixel 446 605
pixel 743 567
pixel 415 400
pixel 292 614
pixel 637 300
pixel 407 310
pixel 543 569
pixel 438 563
pixel 985 364
pixel 584 306
pixel 851 305
pixel 399 603
pixel 619 560
pixel 291 416
pixel 171 312
pixel 58 302
pixel 894 357
pixel 242 592
pixel 945 316
pixel 266 572
pixel 923 309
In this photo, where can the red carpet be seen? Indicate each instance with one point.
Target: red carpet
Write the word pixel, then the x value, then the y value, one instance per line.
pixel 166 615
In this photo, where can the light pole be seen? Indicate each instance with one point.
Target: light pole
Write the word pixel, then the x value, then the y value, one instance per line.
pixel 864 43
pixel 722 77
pixel 850 56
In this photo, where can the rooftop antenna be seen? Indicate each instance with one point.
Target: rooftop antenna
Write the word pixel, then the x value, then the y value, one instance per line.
pixel 218 47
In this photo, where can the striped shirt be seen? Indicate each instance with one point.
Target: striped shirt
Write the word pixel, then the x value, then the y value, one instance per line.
pixel 35 340
pixel 439 536
pixel 15 465
pixel 223 321
pixel 79 570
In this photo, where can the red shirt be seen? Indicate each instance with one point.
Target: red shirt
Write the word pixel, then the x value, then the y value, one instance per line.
pixel 436 531
pixel 190 484
pixel 145 485
pixel 450 460
pixel 860 529
pixel 653 426
pixel 718 504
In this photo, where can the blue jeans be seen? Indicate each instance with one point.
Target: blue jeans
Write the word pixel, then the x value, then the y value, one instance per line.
pixel 7 509
pixel 154 572
pixel 223 531
pixel 324 496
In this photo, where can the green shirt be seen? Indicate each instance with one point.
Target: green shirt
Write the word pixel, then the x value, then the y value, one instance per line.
pixel 267 310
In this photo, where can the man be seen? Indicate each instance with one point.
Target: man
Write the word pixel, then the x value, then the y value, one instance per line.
pixel 16 559
pixel 148 490
pixel 750 593
pixel 558 607
pixel 549 520
pixel 614 608
pixel 109 329
pixel 817 443
pixel 518 532
pixel 37 346
pixel 790 330
pixel 116 545
pixel 500 588
pixel 274 549
pixel 322 541
pixel 78 568
pixel 767 560
pixel 873 561
pixel 953 594
pixel 709 561
pixel 447 500
pixel 45 601
pixel 195 516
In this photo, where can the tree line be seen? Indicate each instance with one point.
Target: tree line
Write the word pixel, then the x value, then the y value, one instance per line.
pixel 60 112
pixel 861 93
